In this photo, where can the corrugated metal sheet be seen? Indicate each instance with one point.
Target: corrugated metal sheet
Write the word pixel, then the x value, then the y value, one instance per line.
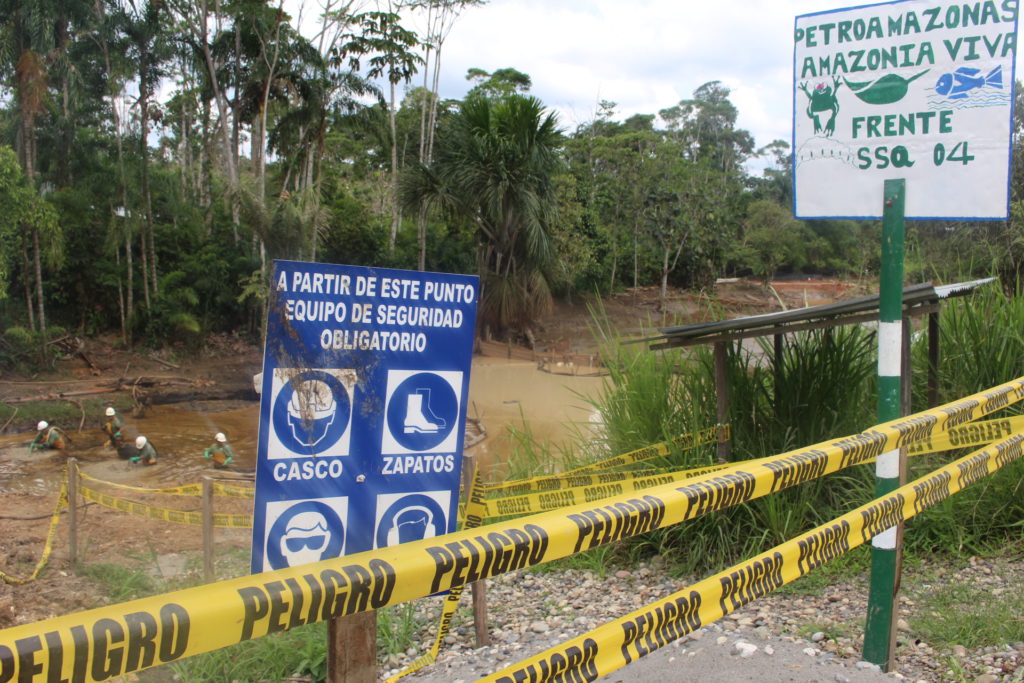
pixel 912 296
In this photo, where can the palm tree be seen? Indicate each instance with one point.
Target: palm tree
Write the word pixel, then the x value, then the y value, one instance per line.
pixel 494 165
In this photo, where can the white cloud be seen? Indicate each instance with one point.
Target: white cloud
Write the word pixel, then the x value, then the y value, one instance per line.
pixel 645 55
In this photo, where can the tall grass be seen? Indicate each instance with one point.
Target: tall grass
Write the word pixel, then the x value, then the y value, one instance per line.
pixel 982 344
pixel 820 387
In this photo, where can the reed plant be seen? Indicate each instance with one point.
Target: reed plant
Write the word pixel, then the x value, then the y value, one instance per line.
pixel 982 344
pixel 822 386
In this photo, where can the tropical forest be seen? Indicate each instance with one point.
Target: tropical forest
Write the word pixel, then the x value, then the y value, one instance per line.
pixel 158 156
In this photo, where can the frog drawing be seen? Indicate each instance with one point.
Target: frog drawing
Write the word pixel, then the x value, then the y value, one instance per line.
pixel 821 102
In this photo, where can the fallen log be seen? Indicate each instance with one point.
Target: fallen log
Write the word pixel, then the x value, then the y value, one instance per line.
pixel 61 395
pixel 165 363
pixel 121 384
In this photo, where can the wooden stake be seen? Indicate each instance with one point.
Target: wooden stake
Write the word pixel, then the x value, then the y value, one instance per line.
pixel 208 529
pixel 73 511
pixel 352 648
pixel 478 588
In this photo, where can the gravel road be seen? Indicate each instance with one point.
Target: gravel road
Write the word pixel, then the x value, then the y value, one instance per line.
pixel 790 636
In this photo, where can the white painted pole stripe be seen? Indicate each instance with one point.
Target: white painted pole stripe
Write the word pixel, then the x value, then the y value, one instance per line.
pixel 890 341
pixel 887 466
pixel 885 540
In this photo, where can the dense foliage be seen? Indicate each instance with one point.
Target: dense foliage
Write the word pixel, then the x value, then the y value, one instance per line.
pixel 820 388
pixel 155 155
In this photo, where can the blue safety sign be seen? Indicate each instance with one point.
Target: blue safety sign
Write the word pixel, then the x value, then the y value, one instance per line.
pixel 362 411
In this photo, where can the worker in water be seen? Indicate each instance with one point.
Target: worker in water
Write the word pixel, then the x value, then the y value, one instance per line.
pixel 48 436
pixel 144 452
pixel 112 427
pixel 220 452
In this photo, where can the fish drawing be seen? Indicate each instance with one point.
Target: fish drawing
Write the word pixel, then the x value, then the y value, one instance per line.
pixel 957 85
pixel 885 90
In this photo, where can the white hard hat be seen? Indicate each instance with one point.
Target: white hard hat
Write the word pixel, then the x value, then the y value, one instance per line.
pixel 43 424
pixel 140 442
pixel 111 412
pixel 220 438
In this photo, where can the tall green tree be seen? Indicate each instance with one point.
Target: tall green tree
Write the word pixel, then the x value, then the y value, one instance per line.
pixel 26 217
pixel 494 166
pixel 390 53
pixel 440 18
pixel 149 51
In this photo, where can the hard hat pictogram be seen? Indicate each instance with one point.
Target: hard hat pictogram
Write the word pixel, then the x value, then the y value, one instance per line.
pixel 311 412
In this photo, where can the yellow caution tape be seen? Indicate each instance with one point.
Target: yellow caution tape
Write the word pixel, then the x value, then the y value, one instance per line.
pixel 612 485
pixel 615 644
pixel 62 503
pixel 184 490
pixel 111 641
pixel 192 517
pixel 681 442
pixel 232 491
pixel 968 435
pixel 474 519
pixel 587 488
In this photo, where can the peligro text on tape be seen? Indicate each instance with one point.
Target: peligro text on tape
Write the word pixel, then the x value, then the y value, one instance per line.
pixel 190 621
pixel 970 434
pixel 789 471
pixel 620 642
pixel 553 483
pixel 532 503
pixel 681 442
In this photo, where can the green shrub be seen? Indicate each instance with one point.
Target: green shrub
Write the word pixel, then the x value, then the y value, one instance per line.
pixel 982 345
pixel 820 388
pixel 22 350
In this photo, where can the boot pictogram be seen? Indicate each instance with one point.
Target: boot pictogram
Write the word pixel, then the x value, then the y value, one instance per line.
pixel 419 419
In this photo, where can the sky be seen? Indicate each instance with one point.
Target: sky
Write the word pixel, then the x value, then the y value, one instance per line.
pixel 644 55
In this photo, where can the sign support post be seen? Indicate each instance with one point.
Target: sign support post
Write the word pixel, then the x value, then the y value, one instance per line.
pixel 886 550
pixel 352 648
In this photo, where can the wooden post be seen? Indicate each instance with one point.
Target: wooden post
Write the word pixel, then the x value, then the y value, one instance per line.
pixel 73 512
pixel 906 390
pixel 352 648
pixel 779 340
pixel 478 588
pixel 722 393
pixel 208 529
pixel 933 359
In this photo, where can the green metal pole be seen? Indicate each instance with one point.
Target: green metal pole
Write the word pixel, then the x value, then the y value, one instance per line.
pixel 879 632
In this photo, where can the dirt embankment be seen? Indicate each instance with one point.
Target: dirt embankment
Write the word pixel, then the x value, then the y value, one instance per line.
pixel 99 371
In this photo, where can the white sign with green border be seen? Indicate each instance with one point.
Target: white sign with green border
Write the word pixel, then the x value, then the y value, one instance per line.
pixel 915 89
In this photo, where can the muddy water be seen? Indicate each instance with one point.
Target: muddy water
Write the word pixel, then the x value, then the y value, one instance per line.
pixel 502 393
pixel 507 393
